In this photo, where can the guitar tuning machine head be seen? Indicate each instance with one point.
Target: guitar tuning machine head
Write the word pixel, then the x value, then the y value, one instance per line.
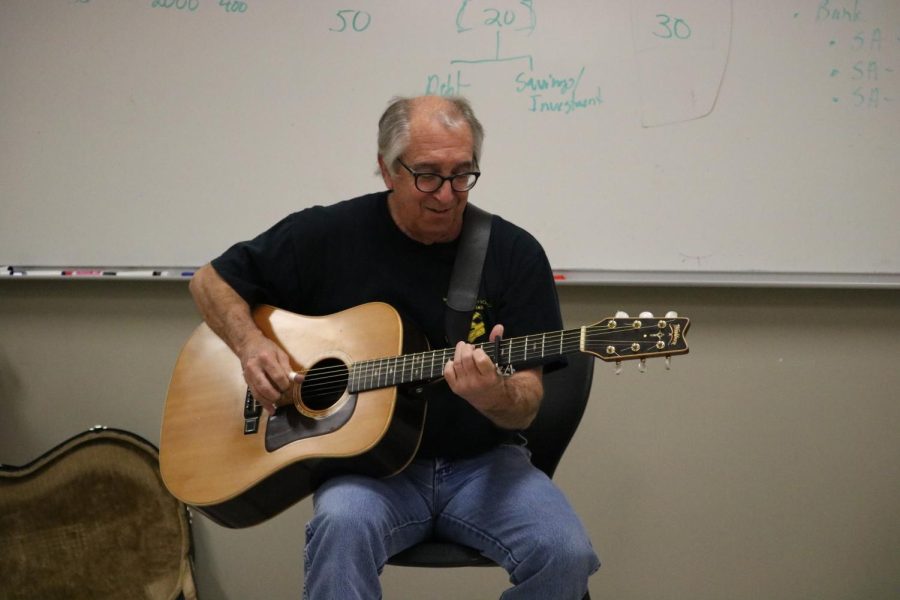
pixel 618 367
pixel 642 365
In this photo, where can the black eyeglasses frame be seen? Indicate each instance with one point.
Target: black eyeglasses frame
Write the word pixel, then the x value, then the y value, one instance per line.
pixel 450 178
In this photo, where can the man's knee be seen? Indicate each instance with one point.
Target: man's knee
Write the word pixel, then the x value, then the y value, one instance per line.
pixel 343 509
pixel 563 551
pixel 571 552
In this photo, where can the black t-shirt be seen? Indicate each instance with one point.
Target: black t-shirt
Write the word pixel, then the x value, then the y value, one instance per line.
pixel 322 260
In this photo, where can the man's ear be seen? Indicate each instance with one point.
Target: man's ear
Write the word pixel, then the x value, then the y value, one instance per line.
pixel 385 174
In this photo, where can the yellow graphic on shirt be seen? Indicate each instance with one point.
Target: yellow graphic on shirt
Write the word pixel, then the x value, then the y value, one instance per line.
pixel 477 328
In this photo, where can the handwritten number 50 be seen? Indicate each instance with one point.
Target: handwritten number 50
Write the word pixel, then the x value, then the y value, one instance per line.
pixel 672 28
pixel 360 20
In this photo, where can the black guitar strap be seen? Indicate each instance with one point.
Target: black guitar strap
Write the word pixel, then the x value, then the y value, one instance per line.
pixel 466 277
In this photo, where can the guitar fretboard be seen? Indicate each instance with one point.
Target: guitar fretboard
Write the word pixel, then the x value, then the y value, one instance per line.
pixel 423 366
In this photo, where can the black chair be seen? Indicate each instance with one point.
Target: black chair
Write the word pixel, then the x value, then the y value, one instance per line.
pixel 566 394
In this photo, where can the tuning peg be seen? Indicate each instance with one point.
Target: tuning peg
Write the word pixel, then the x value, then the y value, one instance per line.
pixel 668 363
pixel 646 315
pixel 672 314
pixel 642 365
pixel 618 367
pixel 621 314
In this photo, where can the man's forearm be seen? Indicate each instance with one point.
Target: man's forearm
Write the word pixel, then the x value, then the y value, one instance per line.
pixel 516 400
pixel 223 309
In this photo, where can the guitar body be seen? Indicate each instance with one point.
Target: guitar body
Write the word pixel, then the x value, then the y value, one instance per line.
pixel 239 466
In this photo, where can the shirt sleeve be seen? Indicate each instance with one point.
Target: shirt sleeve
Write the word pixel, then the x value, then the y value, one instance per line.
pixel 270 268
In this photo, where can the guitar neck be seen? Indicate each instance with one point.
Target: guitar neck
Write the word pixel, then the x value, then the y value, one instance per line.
pixel 424 366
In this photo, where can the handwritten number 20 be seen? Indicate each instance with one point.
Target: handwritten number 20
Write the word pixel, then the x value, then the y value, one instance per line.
pixel 672 28
pixel 359 22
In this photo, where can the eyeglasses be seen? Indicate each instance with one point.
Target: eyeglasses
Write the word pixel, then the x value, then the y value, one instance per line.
pixel 432 182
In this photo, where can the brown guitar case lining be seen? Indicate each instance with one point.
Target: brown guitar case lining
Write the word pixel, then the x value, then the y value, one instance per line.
pixel 91 518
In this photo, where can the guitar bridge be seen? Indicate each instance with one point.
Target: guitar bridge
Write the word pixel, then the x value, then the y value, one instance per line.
pixel 252 413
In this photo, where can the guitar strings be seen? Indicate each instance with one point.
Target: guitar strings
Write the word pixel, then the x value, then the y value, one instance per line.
pixel 566 347
pixel 382 368
pixel 381 373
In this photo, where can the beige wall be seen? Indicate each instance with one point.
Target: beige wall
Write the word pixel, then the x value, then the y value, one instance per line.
pixel 764 465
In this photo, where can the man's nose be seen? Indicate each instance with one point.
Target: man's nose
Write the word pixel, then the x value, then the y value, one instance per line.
pixel 445 193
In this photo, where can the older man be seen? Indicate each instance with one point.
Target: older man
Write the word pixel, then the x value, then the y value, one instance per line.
pixel 471 480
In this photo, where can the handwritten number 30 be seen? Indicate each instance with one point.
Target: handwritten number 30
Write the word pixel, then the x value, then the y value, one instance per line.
pixel 670 28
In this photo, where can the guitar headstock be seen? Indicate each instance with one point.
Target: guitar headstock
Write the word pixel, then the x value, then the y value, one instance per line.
pixel 625 338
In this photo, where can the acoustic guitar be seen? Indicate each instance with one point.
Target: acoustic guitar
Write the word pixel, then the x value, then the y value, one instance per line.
pixel 360 408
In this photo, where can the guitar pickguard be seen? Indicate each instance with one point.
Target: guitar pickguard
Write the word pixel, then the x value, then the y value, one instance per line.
pixel 289 425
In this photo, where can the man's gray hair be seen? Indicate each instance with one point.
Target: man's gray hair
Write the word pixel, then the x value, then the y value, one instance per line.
pixel 393 127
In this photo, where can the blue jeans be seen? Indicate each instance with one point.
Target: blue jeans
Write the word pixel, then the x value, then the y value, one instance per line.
pixel 497 503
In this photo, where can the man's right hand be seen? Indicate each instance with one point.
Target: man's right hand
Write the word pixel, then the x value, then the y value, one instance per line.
pixel 267 370
pixel 266 367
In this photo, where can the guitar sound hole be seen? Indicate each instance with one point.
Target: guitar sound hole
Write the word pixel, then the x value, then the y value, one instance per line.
pixel 324 384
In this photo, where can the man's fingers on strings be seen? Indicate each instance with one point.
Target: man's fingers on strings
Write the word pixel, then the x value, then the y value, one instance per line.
pixel 262 387
pixel 483 362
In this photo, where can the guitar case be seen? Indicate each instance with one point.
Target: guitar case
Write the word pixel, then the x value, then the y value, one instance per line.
pixel 91 518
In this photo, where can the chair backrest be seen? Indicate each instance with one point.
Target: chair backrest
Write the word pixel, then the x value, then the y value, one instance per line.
pixel 566 392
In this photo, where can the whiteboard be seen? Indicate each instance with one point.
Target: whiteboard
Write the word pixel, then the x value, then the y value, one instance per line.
pixel 676 136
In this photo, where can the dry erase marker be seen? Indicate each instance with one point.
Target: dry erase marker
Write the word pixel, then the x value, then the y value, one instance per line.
pixel 134 273
pixel 41 273
pixel 83 272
